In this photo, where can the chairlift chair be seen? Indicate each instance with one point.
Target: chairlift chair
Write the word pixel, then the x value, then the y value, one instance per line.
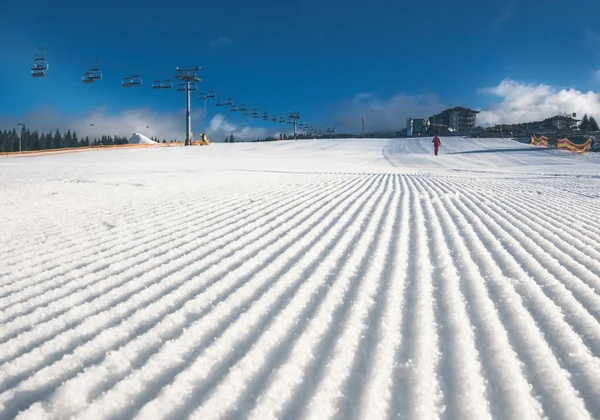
pixel 228 102
pixel 95 72
pixel 233 108
pixel 88 76
pixel 211 94
pixel 274 118
pixel 37 73
pixel 202 96
pixel 219 102
pixel 136 80
pixel 193 86
pixel 157 84
pixel 181 87
pixel 167 84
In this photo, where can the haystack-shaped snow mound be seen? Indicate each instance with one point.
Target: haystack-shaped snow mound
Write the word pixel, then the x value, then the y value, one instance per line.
pixel 138 138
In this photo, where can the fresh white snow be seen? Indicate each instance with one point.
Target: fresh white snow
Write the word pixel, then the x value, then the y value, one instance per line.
pixel 354 278
pixel 137 138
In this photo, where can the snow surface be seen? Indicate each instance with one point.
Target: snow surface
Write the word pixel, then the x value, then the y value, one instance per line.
pixel 311 279
pixel 137 138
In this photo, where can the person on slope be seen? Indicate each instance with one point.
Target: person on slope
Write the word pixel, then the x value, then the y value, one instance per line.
pixel 436 144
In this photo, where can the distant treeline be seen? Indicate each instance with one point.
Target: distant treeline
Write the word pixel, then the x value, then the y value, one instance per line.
pixel 32 140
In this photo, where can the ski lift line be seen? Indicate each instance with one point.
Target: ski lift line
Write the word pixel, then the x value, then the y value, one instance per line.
pixel 95 73
pixel 41 65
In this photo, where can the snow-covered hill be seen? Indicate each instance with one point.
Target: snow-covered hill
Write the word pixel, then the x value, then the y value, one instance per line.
pixel 137 138
pixel 310 279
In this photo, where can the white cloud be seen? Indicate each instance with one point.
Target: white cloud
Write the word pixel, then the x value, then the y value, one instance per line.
pixel 530 102
pixel 219 128
pixel 221 41
pixel 144 120
pixel 164 125
pixel 383 114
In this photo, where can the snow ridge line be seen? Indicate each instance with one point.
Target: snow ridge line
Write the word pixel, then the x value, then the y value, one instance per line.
pixel 460 368
pixel 214 214
pixel 582 292
pixel 425 394
pixel 212 352
pixel 131 228
pixel 567 346
pixel 367 269
pixel 571 219
pixel 173 241
pixel 508 391
pixel 577 226
pixel 198 300
pixel 233 384
pixel 113 309
pixel 276 333
pixel 580 264
pixel 58 239
pixel 279 354
pixel 54 235
pixel 536 256
pixel 550 381
pixel 379 384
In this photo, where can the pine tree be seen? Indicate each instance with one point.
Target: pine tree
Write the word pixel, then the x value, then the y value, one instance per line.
pixel 593 124
pixel 584 125
pixel 35 141
pixel 4 141
pixel 43 142
pixel 68 140
pixel 231 138
pixel 57 140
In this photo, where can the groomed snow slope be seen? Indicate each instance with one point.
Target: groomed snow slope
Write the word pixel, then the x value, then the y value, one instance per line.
pixel 311 279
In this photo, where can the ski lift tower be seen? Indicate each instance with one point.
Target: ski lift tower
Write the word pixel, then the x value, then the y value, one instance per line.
pixel 295 116
pixel 188 76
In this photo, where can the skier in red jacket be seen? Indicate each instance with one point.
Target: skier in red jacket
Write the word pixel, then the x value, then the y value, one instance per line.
pixel 436 144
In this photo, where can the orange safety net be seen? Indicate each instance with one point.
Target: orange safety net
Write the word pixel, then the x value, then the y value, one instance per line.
pixel 539 142
pixel 568 145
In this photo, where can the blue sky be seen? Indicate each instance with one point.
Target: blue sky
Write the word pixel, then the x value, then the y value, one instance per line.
pixel 333 60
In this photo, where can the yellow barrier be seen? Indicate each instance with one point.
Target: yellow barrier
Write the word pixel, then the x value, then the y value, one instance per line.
pixel 568 145
pixel 541 142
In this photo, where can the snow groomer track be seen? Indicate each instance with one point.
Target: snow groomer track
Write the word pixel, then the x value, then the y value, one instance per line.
pixel 312 279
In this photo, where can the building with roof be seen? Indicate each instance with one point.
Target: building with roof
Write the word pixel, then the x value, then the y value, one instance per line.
pixel 457 119
pixel 563 122
pixel 415 126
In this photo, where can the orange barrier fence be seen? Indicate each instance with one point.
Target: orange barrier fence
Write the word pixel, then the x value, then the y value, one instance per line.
pixel 568 145
pixel 539 142
pixel 84 148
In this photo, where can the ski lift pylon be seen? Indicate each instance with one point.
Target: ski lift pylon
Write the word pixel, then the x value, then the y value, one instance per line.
pixel 40 65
